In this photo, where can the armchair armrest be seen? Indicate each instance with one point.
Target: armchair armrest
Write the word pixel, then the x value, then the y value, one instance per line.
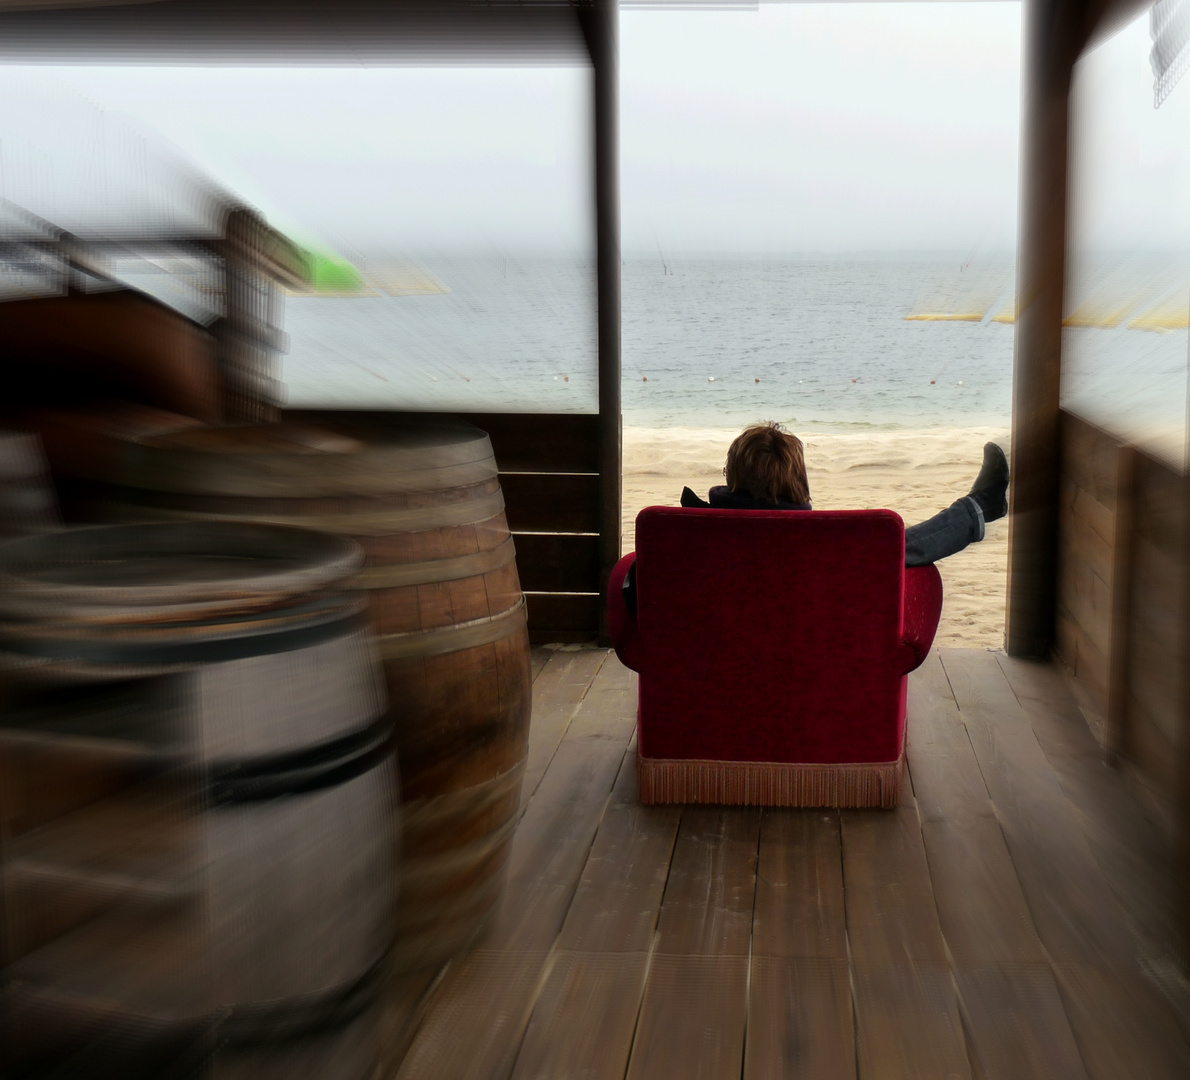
pixel 923 608
pixel 621 622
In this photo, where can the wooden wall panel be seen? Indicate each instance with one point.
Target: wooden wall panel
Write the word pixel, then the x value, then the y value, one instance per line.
pixel 563 563
pixel 540 442
pixel 1086 555
pixel 1121 601
pixel 565 617
pixel 551 502
pixel 1155 725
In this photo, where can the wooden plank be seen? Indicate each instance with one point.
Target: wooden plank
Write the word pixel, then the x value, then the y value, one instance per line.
pixel 692 1019
pixel 799 910
pixel 585 1018
pixel 479 1017
pixel 799 1004
pixel 1083 656
pixel 891 918
pixel 408 997
pixel 554 838
pixel 1156 578
pixel 1155 676
pixel 584 1023
pixel 551 502
pixel 1150 749
pixel 521 442
pixel 557 694
pixel 558 562
pixel 906 1010
pixel 1012 1011
pixel 1157 505
pixel 694 1012
pixel 1119 669
pixel 563 617
pixel 907 1021
pixel 1123 1025
pixel 1087 522
pixel 799 1020
pixel 484 1008
pixel 541 442
pixel 616 905
pixel 1015 1022
pixel 1089 457
pixel 981 909
pixel 610 707
pixel 537 660
pixel 1073 910
pixel 1087 596
pixel 946 778
pixel 1129 849
pixel 709 896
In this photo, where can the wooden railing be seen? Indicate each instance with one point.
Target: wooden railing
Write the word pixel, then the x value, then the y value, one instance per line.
pixel 549 473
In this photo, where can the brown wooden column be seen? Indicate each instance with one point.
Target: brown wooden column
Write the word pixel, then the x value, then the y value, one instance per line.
pixel 1050 48
pixel 600 23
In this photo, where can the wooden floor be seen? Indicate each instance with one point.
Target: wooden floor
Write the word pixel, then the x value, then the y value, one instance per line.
pixel 1011 919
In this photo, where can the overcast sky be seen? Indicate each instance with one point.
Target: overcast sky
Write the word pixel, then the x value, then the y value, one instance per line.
pixel 801 127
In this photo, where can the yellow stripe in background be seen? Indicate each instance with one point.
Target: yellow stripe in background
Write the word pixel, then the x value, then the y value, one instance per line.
pixel 1098 315
pixel 967 316
pixel 1164 318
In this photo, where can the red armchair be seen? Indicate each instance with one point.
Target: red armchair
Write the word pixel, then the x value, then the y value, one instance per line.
pixel 773 649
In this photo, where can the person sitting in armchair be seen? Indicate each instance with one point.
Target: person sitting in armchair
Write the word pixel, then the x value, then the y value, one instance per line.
pixel 766 470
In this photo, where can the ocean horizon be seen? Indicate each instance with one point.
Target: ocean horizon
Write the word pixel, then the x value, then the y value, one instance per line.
pixel 871 341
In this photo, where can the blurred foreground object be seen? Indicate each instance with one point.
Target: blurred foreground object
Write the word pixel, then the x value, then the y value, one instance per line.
pixel 27 501
pixel 60 349
pixel 423 501
pixel 196 805
pixel 78 333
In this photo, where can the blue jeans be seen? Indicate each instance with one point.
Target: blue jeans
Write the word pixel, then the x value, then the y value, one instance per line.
pixel 960 524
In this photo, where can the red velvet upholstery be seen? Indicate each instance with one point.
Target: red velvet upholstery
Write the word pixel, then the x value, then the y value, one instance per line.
pixel 773 636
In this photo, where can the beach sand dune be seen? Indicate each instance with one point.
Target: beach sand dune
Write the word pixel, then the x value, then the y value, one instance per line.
pixel 915 473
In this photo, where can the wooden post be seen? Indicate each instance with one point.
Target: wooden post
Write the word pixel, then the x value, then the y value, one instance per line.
pixel 600 24
pixel 248 356
pixel 1051 44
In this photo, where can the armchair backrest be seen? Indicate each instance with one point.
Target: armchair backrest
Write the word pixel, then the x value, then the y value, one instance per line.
pixel 771 635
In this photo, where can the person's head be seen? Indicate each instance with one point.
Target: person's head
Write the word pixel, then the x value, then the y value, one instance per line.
pixel 768 463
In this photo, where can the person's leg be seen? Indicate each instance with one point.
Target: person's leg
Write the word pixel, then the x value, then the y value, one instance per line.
pixel 958 525
pixel 962 522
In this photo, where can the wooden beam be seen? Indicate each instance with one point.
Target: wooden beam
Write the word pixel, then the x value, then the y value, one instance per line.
pixel 1050 48
pixel 600 24
pixel 300 33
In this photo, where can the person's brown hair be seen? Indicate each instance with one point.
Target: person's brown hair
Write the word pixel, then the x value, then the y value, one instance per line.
pixel 768 463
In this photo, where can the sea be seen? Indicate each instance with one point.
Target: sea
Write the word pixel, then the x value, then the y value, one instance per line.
pixel 819 343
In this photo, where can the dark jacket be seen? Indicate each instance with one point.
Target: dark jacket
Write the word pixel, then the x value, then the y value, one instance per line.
pixel 723 498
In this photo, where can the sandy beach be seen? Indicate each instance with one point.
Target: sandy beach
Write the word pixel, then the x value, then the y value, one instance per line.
pixel 915 473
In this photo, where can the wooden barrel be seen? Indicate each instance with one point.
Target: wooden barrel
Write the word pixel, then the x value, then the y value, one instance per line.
pixel 423 501
pixel 223 900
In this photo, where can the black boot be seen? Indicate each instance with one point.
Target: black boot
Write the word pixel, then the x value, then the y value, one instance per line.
pixel 990 489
